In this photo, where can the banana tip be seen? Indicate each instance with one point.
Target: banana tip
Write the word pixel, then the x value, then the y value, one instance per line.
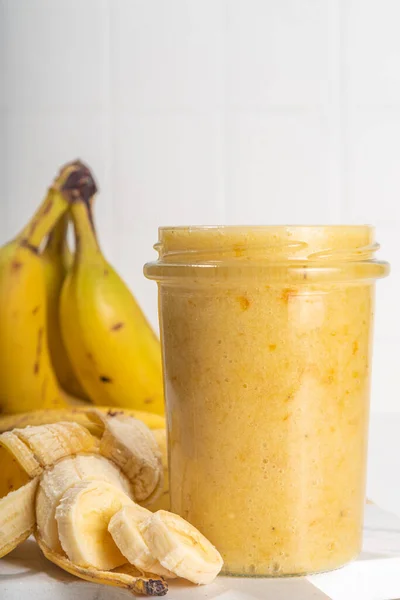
pixel 156 587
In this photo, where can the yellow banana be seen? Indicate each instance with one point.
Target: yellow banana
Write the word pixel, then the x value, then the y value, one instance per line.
pixel 114 352
pixel 78 414
pixel 27 380
pixel 57 260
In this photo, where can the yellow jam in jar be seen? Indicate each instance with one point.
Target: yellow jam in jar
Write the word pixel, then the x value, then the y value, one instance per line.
pixel 266 336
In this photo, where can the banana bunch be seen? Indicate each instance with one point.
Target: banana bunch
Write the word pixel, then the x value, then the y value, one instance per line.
pixel 69 326
pixel 85 498
pixel 27 379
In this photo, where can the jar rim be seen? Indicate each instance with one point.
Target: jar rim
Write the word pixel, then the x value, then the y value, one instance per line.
pixel 195 228
pixel 205 244
pixel 270 249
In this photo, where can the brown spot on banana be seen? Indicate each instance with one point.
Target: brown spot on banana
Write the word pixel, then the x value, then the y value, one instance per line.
pixel 31 247
pixel 16 265
pixel 105 379
pixel 39 346
pixel 35 310
pixel 114 413
pixel 117 326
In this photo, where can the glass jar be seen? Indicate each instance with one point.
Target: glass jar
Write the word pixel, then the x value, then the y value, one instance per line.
pixel 266 337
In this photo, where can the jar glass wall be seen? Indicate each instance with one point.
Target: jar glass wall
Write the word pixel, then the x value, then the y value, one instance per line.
pixel 266 336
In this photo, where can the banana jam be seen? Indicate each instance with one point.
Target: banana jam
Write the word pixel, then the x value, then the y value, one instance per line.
pixel 266 335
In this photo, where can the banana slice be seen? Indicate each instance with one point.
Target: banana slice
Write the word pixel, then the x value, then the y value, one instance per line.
pixel 181 548
pixel 83 515
pixel 49 443
pixel 62 476
pixel 126 535
pixel 125 577
pixel 130 444
pixel 17 516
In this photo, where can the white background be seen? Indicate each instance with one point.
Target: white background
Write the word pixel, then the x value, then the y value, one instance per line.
pixel 209 111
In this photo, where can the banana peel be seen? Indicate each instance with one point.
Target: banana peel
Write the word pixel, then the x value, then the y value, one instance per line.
pixel 130 444
pixel 19 508
pixel 25 453
pixel 49 443
pixel 126 577
pixel 17 460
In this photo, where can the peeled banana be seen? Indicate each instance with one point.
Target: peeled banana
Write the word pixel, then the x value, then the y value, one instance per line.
pixel 114 352
pixel 27 379
pixel 77 493
pixel 60 478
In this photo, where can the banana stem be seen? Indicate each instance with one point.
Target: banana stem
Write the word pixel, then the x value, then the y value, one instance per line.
pixel 43 221
pixel 73 183
pixel 85 233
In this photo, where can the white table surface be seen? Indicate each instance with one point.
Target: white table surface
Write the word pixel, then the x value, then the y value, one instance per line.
pixel 25 573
